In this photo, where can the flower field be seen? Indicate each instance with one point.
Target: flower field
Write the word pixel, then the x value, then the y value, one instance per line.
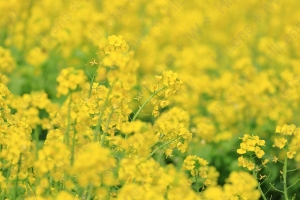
pixel 157 100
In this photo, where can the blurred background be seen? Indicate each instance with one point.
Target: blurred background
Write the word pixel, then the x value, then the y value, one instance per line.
pixel 238 61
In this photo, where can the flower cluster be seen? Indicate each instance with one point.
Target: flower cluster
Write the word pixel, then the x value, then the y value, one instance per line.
pixel 197 168
pixel 239 185
pixel 69 79
pixel 250 144
pixel 165 85
pixel 99 130
pixel 7 63
pixel 170 128
pixel 290 139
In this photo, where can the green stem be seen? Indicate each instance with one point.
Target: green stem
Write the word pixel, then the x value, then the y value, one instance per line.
pixel 266 178
pixel 17 179
pixel 69 120
pixel 293 184
pixel 36 137
pixel 291 170
pixel 276 188
pixel 1 159
pixel 258 186
pixel 145 103
pixel 152 146
pixel 161 147
pixel 262 194
pixel 97 130
pixel 107 124
pixel 48 190
pixel 30 186
pixel 197 184
pixel 91 86
pixel 90 192
pixel 73 144
pixel 284 179
pixel 7 179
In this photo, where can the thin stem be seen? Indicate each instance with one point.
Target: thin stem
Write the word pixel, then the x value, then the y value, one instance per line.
pixel 197 186
pixel 268 190
pixel 161 147
pixel 97 130
pixel 266 178
pixel 293 183
pixel 36 138
pixel 73 144
pixel 107 124
pixel 280 161
pixel 91 86
pixel 30 186
pixel 145 103
pixel 152 146
pixel 50 183
pixel 69 120
pixel 258 186
pixel 90 192
pixel 276 188
pixel 17 179
pixel 284 178
pixel 1 159
pixel 291 170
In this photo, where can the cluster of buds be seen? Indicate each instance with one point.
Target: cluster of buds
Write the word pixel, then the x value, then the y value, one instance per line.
pixel 250 144
pixel 69 79
pixel 288 133
pixel 164 86
pixel 197 167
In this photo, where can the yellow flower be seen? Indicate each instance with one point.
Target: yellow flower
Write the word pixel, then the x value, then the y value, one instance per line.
pixel 182 147
pixel 242 161
pixel 259 153
pixel 241 151
pixel 261 142
pixel 207 182
pixel 158 78
pixel 297 132
pixel 116 41
pixel 203 174
pixel 169 152
pixel 290 154
pixel 280 143
pixel 109 49
pixel 155 113
pixel 44 183
pixel 164 103
pixel 250 145
pixel 7 63
pixel 69 79
pixel 69 185
pixel 245 137
pixel 194 164
pixel 250 165
pixel 64 195
pixel 278 129
pixel 112 39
